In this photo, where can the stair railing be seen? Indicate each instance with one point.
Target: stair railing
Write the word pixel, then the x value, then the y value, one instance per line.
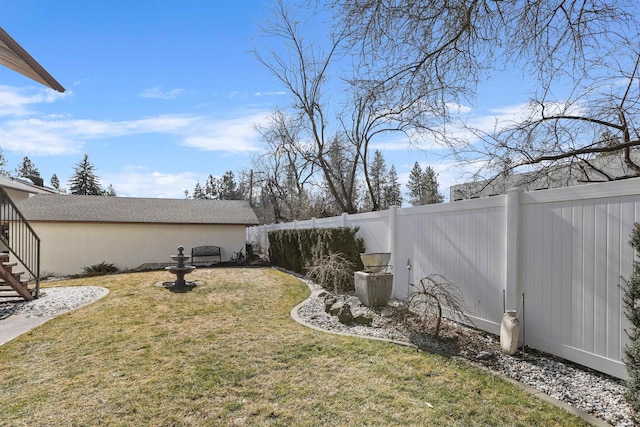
pixel 19 238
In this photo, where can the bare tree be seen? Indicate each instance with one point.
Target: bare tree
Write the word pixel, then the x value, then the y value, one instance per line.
pixel 594 135
pixel 582 56
pixel 303 70
pixel 284 171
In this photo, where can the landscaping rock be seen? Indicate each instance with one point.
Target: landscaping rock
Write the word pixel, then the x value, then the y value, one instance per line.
pixel 344 315
pixel 336 307
pixel 361 319
pixel 329 301
pixel 484 355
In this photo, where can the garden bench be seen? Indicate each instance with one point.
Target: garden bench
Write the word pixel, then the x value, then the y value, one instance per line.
pixel 205 251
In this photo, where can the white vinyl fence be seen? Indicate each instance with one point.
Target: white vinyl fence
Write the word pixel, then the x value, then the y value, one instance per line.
pixel 556 256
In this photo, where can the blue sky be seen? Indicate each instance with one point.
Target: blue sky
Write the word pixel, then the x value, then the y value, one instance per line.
pixel 161 94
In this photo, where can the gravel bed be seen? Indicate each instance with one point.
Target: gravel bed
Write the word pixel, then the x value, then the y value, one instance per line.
pixel 597 394
pixel 52 301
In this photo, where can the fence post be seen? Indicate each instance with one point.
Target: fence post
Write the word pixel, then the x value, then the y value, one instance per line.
pixel 511 284
pixel 313 222
pixel 393 248
pixel 345 216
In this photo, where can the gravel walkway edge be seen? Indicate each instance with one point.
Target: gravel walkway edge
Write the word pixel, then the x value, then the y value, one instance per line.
pixel 537 393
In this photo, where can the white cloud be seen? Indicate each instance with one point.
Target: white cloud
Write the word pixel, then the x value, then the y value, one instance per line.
pixel 236 134
pixel 28 132
pixel 17 101
pixel 139 182
pixel 159 93
pixel 272 93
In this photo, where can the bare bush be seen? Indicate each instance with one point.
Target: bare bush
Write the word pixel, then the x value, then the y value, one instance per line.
pixel 434 295
pixel 333 270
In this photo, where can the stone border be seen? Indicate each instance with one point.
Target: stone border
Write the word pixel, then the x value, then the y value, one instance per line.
pixel 537 393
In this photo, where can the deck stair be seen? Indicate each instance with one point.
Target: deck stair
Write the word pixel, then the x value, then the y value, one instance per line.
pixel 11 285
pixel 20 245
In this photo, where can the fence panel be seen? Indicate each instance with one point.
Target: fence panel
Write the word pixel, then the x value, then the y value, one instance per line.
pixel 463 242
pixel 557 256
pixel 573 256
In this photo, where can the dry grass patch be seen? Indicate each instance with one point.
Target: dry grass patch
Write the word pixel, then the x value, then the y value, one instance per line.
pixel 228 353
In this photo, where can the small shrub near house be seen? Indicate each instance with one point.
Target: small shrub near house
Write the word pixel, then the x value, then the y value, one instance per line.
pixel 299 250
pixel 631 301
pixel 100 269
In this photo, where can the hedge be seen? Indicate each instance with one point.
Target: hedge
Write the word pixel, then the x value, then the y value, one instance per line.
pixel 296 250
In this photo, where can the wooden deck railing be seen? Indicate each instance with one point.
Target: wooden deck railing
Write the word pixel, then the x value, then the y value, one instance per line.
pixel 19 238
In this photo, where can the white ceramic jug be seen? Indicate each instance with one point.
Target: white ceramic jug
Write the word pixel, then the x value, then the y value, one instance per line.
pixel 509 332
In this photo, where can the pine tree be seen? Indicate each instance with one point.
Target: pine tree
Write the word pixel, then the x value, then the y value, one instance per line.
pixel 198 192
pixel 391 195
pixel 55 182
pixel 430 187
pixel 110 191
pixel 84 181
pixel 423 186
pixel 378 178
pixel 229 187
pixel 27 168
pixel 3 164
pixel 212 188
pixel 415 185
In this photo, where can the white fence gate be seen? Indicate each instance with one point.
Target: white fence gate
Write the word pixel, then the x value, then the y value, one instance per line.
pixel 556 256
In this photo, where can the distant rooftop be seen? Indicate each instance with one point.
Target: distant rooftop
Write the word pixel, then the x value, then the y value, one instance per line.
pixel 73 208
pixel 24 184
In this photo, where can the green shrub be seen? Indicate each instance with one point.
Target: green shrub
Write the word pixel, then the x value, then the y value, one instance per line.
pixel 298 250
pixel 631 300
pixel 99 269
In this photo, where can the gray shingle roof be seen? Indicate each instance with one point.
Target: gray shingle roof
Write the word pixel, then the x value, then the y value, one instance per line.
pixel 55 207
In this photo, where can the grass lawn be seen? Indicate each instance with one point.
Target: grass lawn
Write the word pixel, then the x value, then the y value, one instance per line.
pixel 228 354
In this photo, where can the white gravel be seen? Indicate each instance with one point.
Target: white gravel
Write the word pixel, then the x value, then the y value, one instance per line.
pixel 597 394
pixel 52 301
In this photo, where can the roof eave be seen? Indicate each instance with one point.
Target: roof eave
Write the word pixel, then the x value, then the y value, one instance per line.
pixel 19 60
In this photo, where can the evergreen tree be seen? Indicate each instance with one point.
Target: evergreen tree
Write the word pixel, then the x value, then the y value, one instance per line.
pixel 55 182
pixel 229 187
pixel 423 186
pixel 84 181
pixel 430 187
pixel 198 192
pixel 415 185
pixel 3 164
pixel 110 191
pixel 391 195
pixel 212 188
pixel 27 168
pixel 378 178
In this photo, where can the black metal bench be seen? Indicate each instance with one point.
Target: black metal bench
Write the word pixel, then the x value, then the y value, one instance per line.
pixel 206 251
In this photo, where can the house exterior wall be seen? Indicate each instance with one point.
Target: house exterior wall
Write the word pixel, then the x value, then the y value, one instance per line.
pixel 66 248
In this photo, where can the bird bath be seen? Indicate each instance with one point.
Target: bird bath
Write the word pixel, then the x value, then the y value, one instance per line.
pixel 374 285
pixel 180 270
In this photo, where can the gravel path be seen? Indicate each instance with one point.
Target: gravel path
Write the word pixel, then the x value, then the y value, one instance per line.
pixel 596 394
